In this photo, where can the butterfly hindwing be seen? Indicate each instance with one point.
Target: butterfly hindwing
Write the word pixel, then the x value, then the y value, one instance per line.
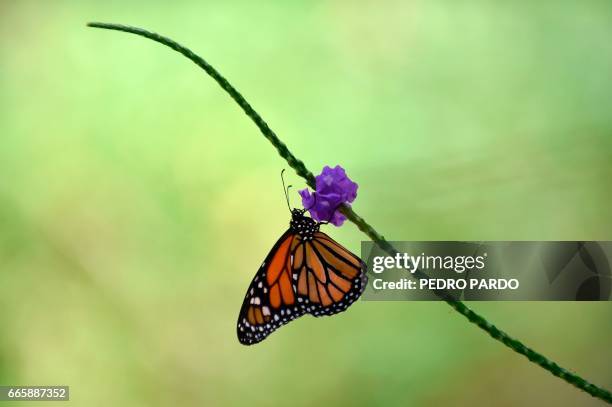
pixel 329 277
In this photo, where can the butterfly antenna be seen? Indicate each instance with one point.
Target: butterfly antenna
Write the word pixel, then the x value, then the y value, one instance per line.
pixel 286 189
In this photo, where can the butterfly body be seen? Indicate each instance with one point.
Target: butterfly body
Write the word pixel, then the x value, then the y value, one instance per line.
pixel 306 272
pixel 303 226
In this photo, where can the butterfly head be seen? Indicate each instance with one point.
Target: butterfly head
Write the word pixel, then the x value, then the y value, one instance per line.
pixel 303 225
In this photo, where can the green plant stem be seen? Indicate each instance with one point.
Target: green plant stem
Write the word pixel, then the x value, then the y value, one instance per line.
pixel 363 226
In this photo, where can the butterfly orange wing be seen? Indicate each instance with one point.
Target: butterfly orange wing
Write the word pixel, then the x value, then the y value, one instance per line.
pixel 270 299
pixel 329 277
pixel 298 276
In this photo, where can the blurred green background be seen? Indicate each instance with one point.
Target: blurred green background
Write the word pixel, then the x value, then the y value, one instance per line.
pixel 137 201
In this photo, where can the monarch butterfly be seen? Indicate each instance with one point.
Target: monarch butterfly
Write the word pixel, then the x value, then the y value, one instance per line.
pixel 306 272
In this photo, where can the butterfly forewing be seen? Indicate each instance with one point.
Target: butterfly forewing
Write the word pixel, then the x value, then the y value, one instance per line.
pixel 270 300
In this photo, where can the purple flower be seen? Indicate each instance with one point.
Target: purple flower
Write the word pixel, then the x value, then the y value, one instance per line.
pixel 333 189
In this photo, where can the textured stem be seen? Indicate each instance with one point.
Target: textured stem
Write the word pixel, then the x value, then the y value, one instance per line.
pixel 302 171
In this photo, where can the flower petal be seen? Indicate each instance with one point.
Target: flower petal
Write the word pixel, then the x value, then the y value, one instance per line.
pixel 333 188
